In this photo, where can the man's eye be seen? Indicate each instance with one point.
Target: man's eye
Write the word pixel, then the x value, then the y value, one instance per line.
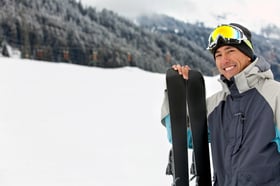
pixel 217 55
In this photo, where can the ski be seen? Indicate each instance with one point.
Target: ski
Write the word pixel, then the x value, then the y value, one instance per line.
pixel 188 95
pixel 195 93
pixel 177 107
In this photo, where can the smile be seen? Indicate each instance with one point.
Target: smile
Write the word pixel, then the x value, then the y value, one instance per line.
pixel 229 68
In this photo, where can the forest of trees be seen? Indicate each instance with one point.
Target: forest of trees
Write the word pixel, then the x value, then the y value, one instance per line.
pixel 65 31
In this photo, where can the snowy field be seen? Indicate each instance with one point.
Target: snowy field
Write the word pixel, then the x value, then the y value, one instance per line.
pixel 69 125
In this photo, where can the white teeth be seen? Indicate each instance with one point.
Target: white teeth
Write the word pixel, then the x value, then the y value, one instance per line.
pixel 228 68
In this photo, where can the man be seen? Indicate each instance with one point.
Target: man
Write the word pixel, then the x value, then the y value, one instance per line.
pixel 244 117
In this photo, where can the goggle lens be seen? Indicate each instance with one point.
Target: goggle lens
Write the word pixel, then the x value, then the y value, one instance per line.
pixel 226 32
pixel 229 34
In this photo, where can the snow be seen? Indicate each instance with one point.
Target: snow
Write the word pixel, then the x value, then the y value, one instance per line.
pixel 63 124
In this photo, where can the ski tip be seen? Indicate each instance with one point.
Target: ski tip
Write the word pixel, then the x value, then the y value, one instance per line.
pixel 197 76
pixel 171 73
pixel 192 73
pixel 195 73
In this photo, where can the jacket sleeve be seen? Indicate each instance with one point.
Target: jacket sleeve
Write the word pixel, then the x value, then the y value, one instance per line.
pixel 169 134
pixel 165 120
pixel 164 107
pixel 277 125
pixel 277 139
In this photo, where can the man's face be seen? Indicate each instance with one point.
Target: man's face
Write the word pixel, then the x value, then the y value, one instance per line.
pixel 230 61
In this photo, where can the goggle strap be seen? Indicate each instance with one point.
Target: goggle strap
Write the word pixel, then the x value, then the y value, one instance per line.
pixel 249 44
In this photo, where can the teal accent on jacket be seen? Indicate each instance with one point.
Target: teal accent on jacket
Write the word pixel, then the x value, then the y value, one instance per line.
pixel 169 133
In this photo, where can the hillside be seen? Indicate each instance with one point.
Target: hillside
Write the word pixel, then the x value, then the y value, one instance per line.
pixel 61 126
pixel 67 31
pixel 71 125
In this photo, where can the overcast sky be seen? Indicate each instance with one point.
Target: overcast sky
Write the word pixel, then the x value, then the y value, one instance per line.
pixel 251 13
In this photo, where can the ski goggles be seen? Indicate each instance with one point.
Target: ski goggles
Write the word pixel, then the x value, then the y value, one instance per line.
pixel 229 34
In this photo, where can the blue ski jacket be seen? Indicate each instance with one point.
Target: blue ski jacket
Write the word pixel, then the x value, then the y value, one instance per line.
pixel 244 125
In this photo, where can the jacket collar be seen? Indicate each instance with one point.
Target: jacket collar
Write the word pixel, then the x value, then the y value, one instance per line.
pixel 256 72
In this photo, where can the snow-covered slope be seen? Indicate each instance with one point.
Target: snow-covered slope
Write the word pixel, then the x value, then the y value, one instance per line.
pixel 71 125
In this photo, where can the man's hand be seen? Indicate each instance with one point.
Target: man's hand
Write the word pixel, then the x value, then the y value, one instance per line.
pixel 182 70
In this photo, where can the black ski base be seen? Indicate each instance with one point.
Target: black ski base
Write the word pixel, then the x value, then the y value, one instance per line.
pixel 177 106
pixel 188 95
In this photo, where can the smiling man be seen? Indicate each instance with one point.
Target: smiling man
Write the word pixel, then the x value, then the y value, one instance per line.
pixel 232 49
pixel 230 61
pixel 244 117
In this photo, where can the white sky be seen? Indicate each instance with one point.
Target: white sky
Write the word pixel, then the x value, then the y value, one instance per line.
pixel 251 13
